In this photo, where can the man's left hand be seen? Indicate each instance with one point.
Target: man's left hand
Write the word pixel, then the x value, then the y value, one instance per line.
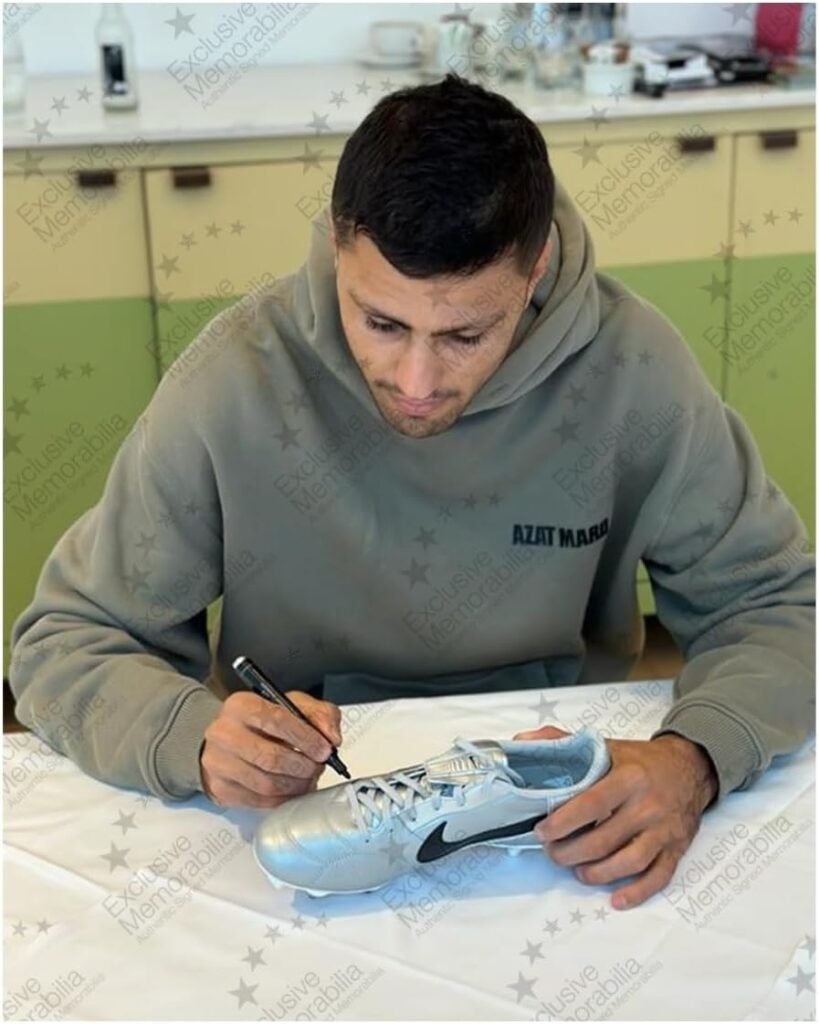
pixel 644 814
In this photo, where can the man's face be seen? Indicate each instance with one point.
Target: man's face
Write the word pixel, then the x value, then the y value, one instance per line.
pixel 426 346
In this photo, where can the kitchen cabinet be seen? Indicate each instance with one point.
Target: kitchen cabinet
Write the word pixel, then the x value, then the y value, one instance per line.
pixel 656 207
pixel 80 359
pixel 218 233
pixel 660 197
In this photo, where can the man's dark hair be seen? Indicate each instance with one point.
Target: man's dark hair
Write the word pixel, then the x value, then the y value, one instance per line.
pixel 445 179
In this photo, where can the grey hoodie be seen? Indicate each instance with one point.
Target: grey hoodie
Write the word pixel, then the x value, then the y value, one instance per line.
pixel 360 564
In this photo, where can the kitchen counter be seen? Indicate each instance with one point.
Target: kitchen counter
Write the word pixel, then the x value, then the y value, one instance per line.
pixel 312 100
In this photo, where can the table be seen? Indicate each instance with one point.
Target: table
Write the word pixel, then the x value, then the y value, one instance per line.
pixel 123 906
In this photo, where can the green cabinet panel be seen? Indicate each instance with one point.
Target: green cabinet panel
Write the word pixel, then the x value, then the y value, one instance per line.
pixel 770 359
pixel 682 292
pixel 645 597
pixel 753 333
pixel 180 321
pixel 77 375
pixel 679 291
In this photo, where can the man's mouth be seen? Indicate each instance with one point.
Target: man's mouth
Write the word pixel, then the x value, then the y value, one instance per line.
pixel 416 408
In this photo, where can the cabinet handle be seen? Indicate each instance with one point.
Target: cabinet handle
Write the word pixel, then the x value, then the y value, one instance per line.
pixel 191 177
pixel 102 178
pixel 696 143
pixel 786 138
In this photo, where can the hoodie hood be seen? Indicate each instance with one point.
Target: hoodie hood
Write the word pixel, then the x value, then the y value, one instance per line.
pixel 562 317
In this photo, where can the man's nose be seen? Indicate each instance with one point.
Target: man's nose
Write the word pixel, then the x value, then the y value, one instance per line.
pixel 416 373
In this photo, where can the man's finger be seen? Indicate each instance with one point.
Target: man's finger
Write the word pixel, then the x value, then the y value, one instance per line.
pixel 595 841
pixel 594 804
pixel 235 769
pixel 232 794
pixel 263 751
pixel 271 755
pixel 543 732
pixel 282 724
pixel 653 880
pixel 619 857
pixel 323 713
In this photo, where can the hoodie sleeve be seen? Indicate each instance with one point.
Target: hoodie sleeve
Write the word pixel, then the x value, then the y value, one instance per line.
pixel 734 583
pixel 109 660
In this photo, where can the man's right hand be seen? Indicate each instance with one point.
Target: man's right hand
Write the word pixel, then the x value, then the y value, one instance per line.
pixel 257 754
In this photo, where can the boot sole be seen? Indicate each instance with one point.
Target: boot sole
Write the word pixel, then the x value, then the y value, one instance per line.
pixel 513 851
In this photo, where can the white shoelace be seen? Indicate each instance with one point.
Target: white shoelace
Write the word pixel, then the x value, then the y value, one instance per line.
pixel 402 791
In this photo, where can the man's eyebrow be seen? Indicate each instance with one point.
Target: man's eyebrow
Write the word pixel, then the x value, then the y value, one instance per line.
pixel 483 324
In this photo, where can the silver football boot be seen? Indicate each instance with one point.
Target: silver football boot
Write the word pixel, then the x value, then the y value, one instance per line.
pixel 360 835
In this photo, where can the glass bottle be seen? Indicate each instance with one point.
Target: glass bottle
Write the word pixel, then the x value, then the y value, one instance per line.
pixel 116 58
pixel 514 55
pixel 14 76
pixel 553 65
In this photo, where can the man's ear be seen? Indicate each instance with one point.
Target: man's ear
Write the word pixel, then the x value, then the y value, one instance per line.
pixel 333 247
pixel 539 269
pixel 543 259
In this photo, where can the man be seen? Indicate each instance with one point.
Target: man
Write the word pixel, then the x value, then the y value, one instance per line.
pixel 378 465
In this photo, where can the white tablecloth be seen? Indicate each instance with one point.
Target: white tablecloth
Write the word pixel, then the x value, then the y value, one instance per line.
pixel 121 906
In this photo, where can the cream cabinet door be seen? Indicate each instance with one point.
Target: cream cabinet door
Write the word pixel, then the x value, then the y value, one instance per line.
pixel 70 237
pixel 222 231
pixel 775 203
pixel 657 199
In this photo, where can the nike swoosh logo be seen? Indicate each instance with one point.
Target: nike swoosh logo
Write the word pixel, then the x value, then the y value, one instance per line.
pixel 435 846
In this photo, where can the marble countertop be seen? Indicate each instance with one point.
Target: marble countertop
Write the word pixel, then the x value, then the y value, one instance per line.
pixel 309 100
